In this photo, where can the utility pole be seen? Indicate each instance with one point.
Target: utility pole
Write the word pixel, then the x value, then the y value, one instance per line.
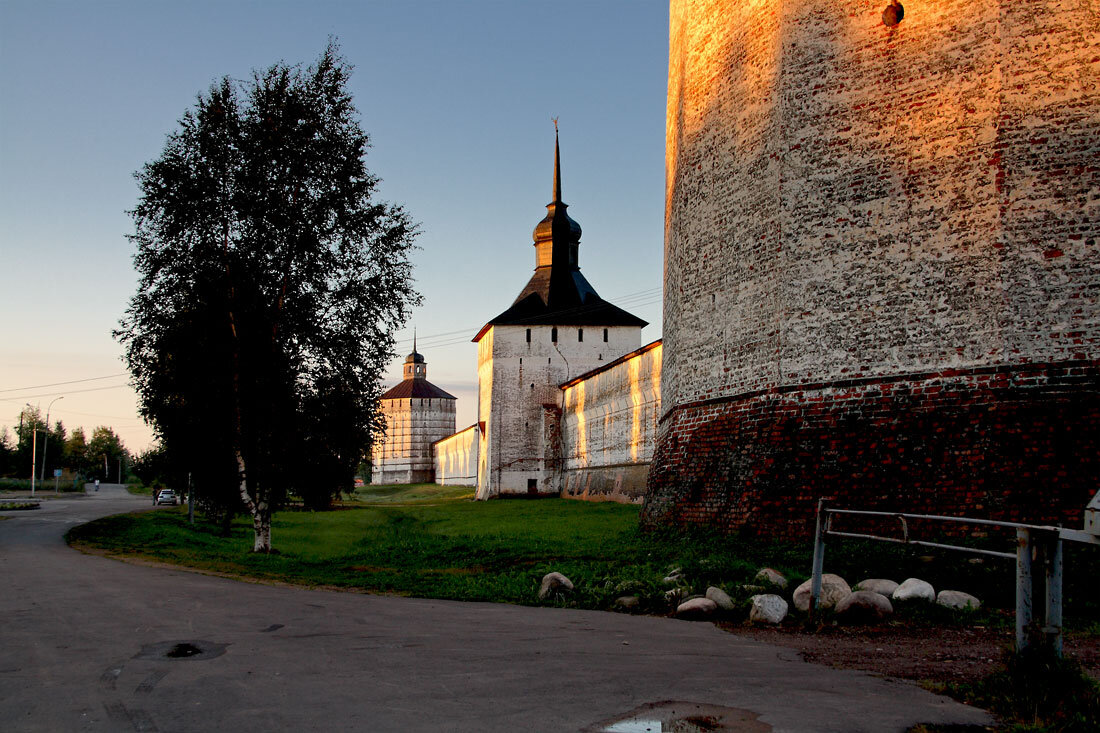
pixel 46 443
pixel 34 456
pixel 120 469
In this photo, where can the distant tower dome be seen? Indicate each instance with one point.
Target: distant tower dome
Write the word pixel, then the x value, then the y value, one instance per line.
pixel 416 414
pixel 415 366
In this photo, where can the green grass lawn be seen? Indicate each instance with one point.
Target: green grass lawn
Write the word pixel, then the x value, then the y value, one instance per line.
pixel 433 541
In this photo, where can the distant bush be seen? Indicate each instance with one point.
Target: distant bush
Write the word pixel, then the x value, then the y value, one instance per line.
pixel 24 484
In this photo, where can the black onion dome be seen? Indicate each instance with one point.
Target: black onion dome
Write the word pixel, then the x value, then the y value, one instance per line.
pixel 557 293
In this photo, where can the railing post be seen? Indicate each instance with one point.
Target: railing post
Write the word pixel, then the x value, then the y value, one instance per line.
pixel 819 558
pixel 1023 588
pixel 1053 616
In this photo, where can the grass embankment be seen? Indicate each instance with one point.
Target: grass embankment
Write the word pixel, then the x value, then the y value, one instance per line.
pixel 432 541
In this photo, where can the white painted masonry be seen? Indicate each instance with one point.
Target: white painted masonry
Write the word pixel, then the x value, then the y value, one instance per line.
pixel 609 427
pixel 456 458
pixel 520 401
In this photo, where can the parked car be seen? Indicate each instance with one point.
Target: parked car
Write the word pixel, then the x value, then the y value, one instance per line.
pixel 167 496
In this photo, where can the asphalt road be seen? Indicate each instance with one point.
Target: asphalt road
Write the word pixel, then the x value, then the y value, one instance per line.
pixel 83 642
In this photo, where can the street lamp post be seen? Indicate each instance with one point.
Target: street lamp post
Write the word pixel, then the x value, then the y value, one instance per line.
pixel 34 456
pixel 46 444
pixel 34 444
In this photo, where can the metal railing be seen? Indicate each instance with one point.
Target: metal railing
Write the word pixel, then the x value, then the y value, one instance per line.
pixel 1038 548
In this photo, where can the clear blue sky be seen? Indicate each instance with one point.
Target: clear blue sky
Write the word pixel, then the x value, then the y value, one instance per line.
pixel 456 96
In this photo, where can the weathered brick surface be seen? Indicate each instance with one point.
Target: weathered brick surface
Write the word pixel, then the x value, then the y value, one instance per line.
pixel 847 200
pixel 1015 443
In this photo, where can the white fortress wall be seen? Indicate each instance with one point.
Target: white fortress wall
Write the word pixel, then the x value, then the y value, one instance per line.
pixel 609 427
pixel 456 458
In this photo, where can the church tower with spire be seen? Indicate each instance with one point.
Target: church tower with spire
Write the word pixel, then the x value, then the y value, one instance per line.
pixel 556 329
pixel 417 414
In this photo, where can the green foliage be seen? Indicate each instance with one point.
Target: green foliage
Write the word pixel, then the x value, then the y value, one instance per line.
pixel 24 484
pixel 76 453
pixel 7 453
pixel 33 438
pixel 271 284
pixel 106 457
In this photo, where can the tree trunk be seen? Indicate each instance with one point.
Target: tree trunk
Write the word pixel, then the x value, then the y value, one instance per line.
pixel 260 511
pixel 261 526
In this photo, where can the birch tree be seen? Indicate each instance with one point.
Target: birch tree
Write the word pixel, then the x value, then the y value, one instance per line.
pixel 271 282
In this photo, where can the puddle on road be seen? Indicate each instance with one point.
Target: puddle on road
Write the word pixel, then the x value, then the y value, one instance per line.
pixel 173 650
pixel 683 717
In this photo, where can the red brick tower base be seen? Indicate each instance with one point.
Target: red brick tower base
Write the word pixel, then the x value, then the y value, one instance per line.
pixel 1019 443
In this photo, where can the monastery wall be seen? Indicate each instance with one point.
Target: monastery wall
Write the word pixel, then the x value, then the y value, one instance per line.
pixel 455 458
pixel 609 427
pixel 881 262
pixel 521 403
pixel 404 454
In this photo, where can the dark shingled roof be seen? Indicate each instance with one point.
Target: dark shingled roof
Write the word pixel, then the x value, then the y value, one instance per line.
pixel 416 388
pixel 558 294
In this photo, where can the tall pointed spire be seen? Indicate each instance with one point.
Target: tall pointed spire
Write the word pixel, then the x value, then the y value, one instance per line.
pixel 557 165
pixel 557 293
pixel 415 367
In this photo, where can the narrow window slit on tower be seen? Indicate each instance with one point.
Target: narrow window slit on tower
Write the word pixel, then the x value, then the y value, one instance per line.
pixel 554 334
pixel 528 335
pixel 605 335
pixel 580 335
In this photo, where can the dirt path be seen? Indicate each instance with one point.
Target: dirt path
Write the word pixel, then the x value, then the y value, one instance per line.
pixel 944 654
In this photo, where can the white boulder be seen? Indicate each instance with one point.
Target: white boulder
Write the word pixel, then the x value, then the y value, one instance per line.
pixel 864 605
pixel 720 598
pixel 914 589
pixel 696 608
pixel 882 586
pixel 768 608
pixel 554 583
pixel 834 589
pixel 770 576
pixel 958 600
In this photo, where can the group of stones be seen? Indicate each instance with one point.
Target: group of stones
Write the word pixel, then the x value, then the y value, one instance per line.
pixel 869 601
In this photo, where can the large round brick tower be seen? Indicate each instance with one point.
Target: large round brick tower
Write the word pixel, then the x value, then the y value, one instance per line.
pixel 882 271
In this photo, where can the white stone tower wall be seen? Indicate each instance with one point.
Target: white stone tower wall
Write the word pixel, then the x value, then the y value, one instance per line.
pixel 520 396
pixel 847 199
pixel 405 455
